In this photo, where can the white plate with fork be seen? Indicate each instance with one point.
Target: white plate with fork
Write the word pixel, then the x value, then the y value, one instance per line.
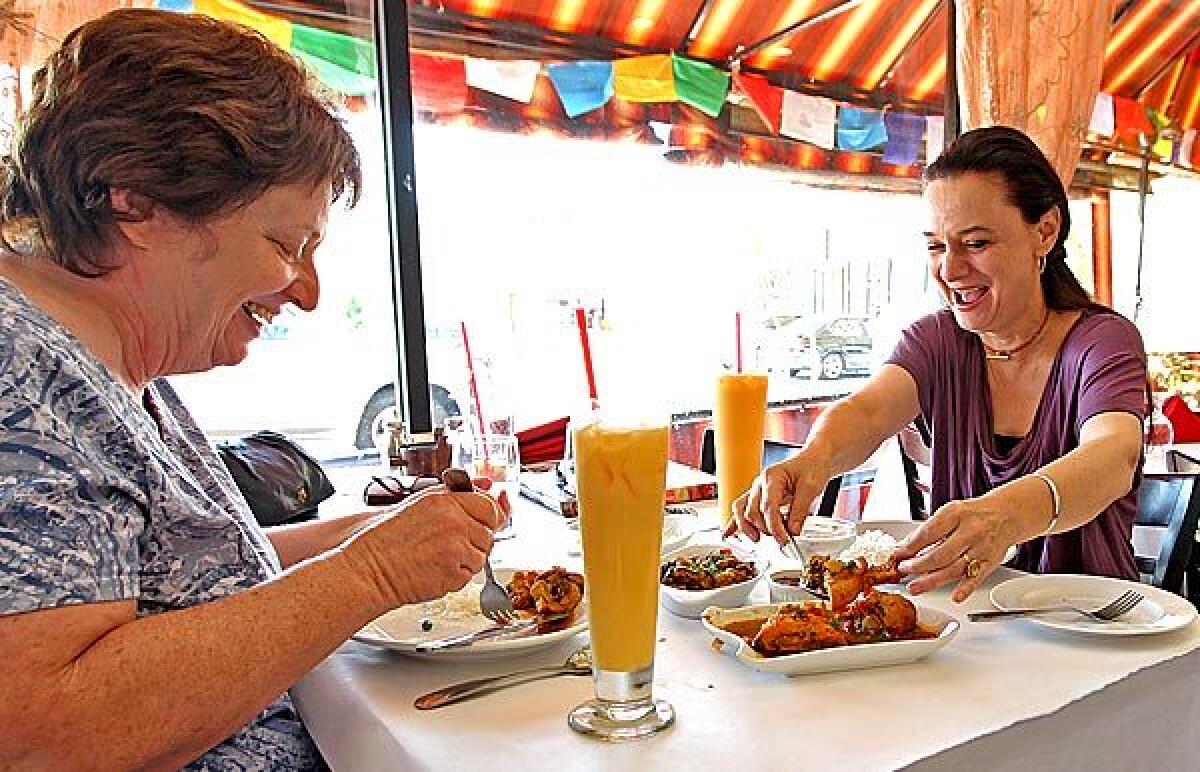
pixel 402 629
pixel 1159 612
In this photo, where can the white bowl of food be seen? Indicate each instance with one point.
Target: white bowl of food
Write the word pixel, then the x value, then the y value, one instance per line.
pixel 820 536
pixel 696 577
pixel 787 585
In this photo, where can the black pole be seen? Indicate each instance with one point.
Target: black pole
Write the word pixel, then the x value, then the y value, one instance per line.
pixel 395 103
pixel 953 119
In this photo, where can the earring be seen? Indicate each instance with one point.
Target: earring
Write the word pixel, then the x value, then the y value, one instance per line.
pixel 1042 264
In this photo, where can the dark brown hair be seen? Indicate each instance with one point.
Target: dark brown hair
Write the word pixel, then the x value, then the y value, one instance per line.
pixel 197 115
pixel 1033 187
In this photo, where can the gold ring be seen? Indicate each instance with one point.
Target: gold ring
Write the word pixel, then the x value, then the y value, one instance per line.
pixel 973 568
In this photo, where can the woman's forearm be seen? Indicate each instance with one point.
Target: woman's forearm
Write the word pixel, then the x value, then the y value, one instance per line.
pixel 159 691
pixel 851 429
pixel 1088 480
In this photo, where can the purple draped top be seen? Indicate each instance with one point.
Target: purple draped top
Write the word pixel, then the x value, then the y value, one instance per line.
pixel 1100 368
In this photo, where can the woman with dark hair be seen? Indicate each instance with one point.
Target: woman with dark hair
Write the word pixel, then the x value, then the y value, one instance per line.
pixel 1033 394
pixel 167 189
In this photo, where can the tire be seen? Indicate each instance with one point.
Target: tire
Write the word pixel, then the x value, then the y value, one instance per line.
pixel 832 366
pixel 384 399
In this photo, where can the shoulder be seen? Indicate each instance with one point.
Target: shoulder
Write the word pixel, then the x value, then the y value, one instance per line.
pixel 937 331
pixel 1104 334
pixel 52 390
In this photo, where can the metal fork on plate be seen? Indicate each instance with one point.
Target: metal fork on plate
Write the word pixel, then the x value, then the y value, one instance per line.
pixel 1109 612
pixel 493 600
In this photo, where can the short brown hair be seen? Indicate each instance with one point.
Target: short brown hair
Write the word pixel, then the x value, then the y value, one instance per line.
pixel 197 115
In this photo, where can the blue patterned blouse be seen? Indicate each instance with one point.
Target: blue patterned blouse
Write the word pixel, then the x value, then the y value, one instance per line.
pixel 104 499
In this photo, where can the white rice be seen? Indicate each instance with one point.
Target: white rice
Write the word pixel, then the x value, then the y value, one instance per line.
pixel 876 546
pixel 460 604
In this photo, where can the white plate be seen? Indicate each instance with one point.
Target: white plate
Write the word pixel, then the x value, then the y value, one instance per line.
pixel 678 528
pixel 862 655
pixel 1160 612
pixel 690 604
pixel 400 630
pixel 900 529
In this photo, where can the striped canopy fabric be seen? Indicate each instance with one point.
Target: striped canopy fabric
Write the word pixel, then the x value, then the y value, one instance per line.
pixel 872 52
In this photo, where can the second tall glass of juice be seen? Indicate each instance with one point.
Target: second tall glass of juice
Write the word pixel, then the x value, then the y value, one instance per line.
pixel 621 481
pixel 739 417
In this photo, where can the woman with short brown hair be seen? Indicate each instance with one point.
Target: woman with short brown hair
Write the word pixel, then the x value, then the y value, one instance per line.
pixel 168 188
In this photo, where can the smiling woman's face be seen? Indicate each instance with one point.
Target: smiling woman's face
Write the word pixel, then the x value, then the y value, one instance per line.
pixel 242 268
pixel 983 254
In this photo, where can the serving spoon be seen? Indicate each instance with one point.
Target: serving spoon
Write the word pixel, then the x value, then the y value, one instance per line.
pixel 578 664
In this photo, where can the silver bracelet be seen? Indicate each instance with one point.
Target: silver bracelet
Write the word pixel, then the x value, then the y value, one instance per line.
pixel 1053 495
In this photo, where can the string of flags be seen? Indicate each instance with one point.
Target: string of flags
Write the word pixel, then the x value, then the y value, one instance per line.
pixel 441 85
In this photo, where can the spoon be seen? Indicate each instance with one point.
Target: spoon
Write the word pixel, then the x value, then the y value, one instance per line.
pixel 578 664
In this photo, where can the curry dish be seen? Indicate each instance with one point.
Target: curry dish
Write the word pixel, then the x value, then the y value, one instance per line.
pixel 710 571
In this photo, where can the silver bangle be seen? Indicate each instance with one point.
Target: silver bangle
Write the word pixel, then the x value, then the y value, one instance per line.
pixel 1055 497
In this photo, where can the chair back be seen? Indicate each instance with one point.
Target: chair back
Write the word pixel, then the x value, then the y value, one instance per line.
pixel 774 451
pixel 916 458
pixel 1171 502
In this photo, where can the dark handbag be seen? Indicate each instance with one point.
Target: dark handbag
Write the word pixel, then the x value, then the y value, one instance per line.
pixel 281 482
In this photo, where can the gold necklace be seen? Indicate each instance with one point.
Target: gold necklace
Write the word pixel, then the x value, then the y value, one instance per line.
pixel 1004 356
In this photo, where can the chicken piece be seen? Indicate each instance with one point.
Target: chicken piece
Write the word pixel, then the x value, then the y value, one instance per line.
pixel 845 581
pixel 556 591
pixel 814 572
pixel 518 590
pixel 879 616
pixel 794 629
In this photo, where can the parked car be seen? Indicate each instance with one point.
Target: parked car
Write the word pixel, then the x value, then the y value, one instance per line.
pixel 843 347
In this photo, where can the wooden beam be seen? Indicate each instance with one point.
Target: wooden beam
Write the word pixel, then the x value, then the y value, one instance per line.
pixel 1102 248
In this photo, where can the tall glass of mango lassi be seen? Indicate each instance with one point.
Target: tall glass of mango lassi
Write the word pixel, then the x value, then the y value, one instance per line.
pixel 621 480
pixel 739 417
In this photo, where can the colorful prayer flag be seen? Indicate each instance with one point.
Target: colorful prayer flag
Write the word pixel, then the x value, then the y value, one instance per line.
pixel 512 79
pixel 1104 120
pixel 1188 148
pixel 582 86
pixel 808 118
pixel 1131 120
pixel 700 85
pixel 645 78
pixel 345 51
pixel 274 28
pixel 765 97
pixel 1163 147
pixel 860 129
pixel 439 83
pixel 904 134
pixel 935 137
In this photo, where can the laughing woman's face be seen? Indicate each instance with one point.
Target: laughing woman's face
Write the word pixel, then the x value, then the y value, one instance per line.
pixel 983 254
pixel 241 270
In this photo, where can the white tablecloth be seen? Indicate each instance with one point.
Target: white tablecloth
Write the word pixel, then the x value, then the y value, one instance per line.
pixel 1008 695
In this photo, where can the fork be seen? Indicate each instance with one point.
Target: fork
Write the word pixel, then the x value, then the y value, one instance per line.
pixel 493 600
pixel 1109 612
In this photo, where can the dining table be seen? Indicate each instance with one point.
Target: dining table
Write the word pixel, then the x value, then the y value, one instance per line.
pixel 1008 695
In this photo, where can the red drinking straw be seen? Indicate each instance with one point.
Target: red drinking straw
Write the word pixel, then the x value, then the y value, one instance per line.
pixel 585 344
pixel 737 339
pixel 483 427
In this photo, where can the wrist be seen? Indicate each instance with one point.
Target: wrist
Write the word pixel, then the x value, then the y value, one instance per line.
pixel 349 568
pixel 1055 502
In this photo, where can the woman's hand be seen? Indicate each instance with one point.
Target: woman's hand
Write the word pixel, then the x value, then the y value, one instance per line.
pixel 429 545
pixel 779 490
pixel 963 542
